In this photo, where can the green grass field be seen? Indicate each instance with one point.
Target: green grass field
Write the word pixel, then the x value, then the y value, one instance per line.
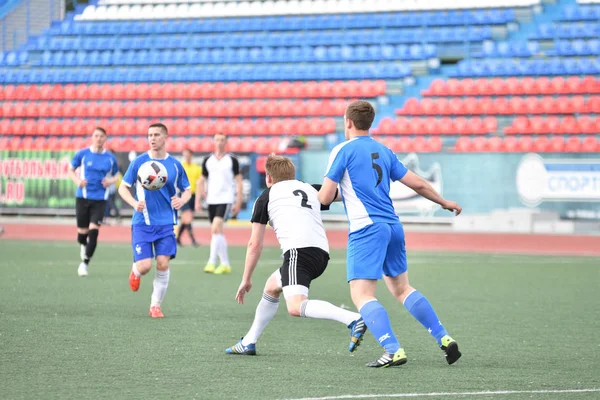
pixel 523 323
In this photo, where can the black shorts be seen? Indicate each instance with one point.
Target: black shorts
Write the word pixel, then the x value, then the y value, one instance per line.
pixel 302 266
pixel 218 210
pixel 190 205
pixel 89 212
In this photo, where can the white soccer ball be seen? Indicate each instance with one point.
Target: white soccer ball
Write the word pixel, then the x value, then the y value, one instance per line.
pixel 152 175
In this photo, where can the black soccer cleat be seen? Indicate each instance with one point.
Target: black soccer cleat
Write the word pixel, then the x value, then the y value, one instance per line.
pixel 450 348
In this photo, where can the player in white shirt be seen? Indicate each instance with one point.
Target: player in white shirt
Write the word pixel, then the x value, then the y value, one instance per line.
pixel 292 208
pixel 220 176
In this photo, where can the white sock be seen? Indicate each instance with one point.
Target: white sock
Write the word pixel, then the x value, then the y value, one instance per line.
pixel 265 311
pixel 135 270
pixel 323 310
pixel 222 250
pixel 214 242
pixel 161 282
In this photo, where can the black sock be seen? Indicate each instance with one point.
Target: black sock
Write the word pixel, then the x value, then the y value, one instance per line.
pixel 182 228
pixel 91 245
pixel 82 238
pixel 191 231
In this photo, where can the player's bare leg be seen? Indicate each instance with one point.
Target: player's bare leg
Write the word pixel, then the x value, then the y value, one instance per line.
pixel 160 284
pixel 138 269
pixel 422 311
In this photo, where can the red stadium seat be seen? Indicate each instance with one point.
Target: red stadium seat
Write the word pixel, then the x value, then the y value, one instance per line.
pixel 401 126
pixel 553 124
pixel 479 144
pixel 386 126
pixel 496 87
pixel 461 125
pixel 569 125
pixel 590 145
pixel 463 144
pixel 541 144
pixel 435 144
pixel 538 125
pixel 445 126
pixel 512 87
pixel 556 145
pixel 525 144
pixel 7 110
pixel 585 125
pixel 543 86
pixel 520 125
pixel 528 86
pixel 494 144
pixel 420 145
pixel 510 144
pixel 573 145
pixel 437 88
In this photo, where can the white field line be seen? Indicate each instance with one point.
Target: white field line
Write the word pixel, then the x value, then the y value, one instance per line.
pixel 447 394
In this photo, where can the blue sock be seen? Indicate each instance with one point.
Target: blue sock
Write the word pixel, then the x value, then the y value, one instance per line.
pixel 421 309
pixel 378 322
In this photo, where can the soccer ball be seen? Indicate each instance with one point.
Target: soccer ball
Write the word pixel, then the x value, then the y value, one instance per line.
pixel 152 175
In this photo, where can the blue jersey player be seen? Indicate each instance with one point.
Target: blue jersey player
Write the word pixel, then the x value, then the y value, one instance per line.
pixel 93 170
pixel 155 216
pixel 364 168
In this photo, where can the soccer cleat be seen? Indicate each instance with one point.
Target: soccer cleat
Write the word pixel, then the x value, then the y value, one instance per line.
pixel 155 312
pixel 82 270
pixel 134 281
pixel 82 252
pixel 357 331
pixel 450 348
pixel 209 268
pixel 222 269
pixel 389 359
pixel 240 349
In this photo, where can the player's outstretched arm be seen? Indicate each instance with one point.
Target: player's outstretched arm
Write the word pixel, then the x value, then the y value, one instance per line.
pixel 255 246
pixel 129 199
pixel 422 187
pixel 329 192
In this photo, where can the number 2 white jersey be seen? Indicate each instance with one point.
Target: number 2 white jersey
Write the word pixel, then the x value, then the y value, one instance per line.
pixel 293 209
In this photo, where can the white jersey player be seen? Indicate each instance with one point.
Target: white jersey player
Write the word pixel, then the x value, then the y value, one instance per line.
pixel 292 208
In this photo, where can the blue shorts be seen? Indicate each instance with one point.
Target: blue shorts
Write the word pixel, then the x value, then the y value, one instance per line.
pixel 146 240
pixel 376 250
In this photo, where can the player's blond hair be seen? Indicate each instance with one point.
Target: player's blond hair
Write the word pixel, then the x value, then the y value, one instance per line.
pixel 280 168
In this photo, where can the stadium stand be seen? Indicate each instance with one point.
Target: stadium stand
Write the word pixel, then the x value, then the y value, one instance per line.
pixel 266 71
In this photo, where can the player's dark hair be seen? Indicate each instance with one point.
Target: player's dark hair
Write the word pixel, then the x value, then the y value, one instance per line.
pixel 99 128
pixel 361 113
pixel 188 150
pixel 280 168
pixel 161 126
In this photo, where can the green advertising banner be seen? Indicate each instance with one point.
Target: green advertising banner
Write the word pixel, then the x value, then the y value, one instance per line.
pixel 36 179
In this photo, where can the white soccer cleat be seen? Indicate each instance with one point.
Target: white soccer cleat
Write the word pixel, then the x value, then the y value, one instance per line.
pixel 82 270
pixel 82 252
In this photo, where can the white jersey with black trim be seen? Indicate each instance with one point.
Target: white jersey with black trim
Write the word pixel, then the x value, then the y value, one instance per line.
pixel 293 209
pixel 220 175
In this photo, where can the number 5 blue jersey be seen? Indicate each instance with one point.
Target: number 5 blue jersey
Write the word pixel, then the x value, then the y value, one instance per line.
pixel 364 169
pixel 159 210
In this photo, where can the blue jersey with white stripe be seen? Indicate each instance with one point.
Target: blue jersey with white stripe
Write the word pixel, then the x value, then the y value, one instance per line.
pixel 364 169
pixel 159 210
pixel 94 167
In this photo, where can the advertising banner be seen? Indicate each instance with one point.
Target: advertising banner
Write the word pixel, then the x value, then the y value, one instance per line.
pixel 568 184
pixel 38 181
